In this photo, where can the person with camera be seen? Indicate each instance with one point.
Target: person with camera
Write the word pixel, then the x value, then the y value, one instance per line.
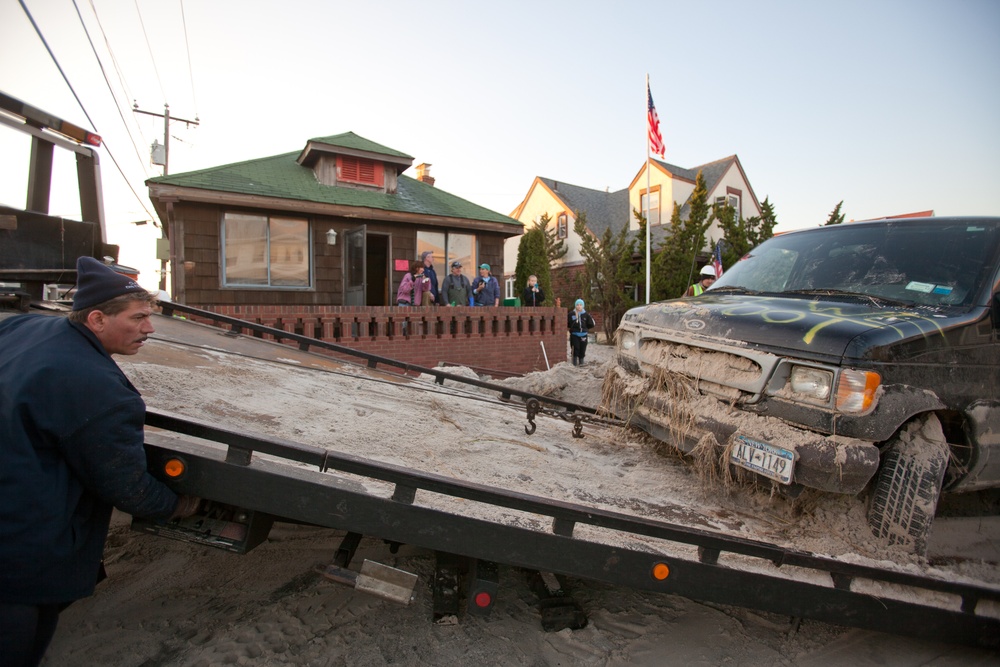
pixel 533 295
pixel 485 288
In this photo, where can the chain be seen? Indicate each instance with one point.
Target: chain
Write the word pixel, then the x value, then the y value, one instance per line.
pixel 534 407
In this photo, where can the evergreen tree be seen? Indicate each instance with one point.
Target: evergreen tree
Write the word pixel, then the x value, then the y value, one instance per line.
pixel 555 247
pixel 676 261
pixel 740 236
pixel 607 267
pixel 532 260
pixel 836 217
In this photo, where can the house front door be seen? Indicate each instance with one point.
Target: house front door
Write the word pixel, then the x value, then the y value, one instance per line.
pixel 355 269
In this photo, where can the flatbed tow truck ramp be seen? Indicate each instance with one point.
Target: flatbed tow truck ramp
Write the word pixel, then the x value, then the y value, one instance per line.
pixel 251 479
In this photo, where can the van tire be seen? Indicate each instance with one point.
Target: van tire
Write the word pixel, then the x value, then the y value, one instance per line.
pixel 909 484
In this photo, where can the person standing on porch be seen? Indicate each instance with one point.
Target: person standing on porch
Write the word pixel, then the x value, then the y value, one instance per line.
pixel 485 288
pixel 533 294
pixel 456 289
pixel 413 286
pixel 427 257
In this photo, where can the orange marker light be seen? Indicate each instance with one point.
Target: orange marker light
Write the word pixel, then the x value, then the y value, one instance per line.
pixel 174 468
pixel 661 571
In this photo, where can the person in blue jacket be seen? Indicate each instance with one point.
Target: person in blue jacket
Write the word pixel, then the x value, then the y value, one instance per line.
pixel 427 257
pixel 579 322
pixel 485 288
pixel 71 449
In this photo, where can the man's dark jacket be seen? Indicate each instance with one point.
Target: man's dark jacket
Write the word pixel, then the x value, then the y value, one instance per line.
pixel 429 272
pixel 71 433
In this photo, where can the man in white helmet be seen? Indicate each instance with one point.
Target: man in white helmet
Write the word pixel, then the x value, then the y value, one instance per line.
pixel 705 281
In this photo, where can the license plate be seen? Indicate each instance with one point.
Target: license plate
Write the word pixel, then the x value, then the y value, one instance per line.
pixel 773 462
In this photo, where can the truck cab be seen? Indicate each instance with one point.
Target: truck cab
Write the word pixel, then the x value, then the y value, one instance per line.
pixel 853 357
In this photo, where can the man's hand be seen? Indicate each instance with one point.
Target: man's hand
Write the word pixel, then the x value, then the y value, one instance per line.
pixel 185 507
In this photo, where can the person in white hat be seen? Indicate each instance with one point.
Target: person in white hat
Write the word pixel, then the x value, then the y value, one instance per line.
pixel 705 280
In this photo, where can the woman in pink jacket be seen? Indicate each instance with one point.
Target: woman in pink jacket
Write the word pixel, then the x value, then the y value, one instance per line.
pixel 413 286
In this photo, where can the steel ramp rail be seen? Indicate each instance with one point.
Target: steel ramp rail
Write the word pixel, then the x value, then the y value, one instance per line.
pixel 922 606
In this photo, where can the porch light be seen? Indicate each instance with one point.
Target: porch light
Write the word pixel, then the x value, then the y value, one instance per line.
pixel 331 237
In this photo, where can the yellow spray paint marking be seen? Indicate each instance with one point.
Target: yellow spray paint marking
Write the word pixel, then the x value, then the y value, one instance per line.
pixel 835 315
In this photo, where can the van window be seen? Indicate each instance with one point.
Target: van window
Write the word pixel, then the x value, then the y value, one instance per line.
pixel 919 263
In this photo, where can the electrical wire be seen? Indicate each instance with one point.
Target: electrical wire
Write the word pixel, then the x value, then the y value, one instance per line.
pixel 121 78
pixel 110 89
pixel 187 47
pixel 150 47
pixel 55 60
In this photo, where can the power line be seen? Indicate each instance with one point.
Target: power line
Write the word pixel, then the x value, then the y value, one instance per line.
pixel 121 78
pixel 108 83
pixel 150 47
pixel 79 102
pixel 187 47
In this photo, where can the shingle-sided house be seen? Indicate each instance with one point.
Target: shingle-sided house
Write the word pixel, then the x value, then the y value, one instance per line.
pixel 725 180
pixel 316 241
pixel 335 223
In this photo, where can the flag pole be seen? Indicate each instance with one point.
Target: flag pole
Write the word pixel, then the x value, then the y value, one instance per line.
pixel 649 198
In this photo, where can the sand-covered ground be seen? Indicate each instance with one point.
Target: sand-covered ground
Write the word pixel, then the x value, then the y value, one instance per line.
pixel 170 603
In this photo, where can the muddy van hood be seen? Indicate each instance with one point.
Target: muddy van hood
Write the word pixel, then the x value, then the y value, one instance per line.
pixel 814 328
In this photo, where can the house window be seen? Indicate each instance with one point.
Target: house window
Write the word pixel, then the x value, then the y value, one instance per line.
pixel 651 207
pixel 265 251
pixel 359 170
pixel 508 288
pixel 449 247
pixel 562 226
pixel 730 200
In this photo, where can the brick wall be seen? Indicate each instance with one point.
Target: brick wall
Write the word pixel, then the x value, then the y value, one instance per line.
pixel 504 339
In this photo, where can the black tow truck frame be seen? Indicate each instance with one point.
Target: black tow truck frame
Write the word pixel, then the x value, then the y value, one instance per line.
pixel 37 248
pixel 249 481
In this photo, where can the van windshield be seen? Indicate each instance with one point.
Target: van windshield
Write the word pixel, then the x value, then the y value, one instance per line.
pixel 925 263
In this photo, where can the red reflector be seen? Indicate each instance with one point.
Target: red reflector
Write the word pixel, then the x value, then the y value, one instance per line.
pixel 93 139
pixel 483 600
pixel 174 468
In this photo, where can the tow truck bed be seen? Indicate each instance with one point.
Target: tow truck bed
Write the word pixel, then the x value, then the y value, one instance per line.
pixel 781 581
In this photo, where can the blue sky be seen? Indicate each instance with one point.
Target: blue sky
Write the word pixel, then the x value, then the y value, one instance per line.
pixel 890 106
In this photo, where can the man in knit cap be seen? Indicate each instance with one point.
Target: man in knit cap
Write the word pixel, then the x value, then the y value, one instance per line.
pixel 71 449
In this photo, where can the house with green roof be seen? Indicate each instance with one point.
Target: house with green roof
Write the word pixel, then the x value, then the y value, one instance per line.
pixel 667 183
pixel 336 223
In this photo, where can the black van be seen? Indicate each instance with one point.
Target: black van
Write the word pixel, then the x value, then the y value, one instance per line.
pixel 831 357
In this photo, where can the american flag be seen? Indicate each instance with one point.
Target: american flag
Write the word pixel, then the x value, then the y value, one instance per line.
pixel 655 139
pixel 717 259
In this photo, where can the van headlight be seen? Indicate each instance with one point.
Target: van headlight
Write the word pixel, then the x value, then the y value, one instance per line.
pixel 626 341
pixel 811 384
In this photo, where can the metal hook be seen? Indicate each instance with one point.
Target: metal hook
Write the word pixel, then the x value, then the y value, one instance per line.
pixel 532 409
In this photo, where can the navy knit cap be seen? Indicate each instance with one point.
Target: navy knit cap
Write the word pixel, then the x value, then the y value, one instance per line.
pixel 97 283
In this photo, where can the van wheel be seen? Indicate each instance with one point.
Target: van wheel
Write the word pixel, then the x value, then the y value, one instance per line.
pixel 908 485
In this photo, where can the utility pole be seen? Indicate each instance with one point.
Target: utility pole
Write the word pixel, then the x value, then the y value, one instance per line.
pixel 166 169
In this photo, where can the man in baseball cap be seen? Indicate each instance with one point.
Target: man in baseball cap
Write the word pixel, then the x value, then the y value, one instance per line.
pixel 97 283
pixel 72 437
pixel 485 288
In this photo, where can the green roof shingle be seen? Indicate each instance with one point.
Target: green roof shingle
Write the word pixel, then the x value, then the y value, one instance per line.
pixel 281 176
